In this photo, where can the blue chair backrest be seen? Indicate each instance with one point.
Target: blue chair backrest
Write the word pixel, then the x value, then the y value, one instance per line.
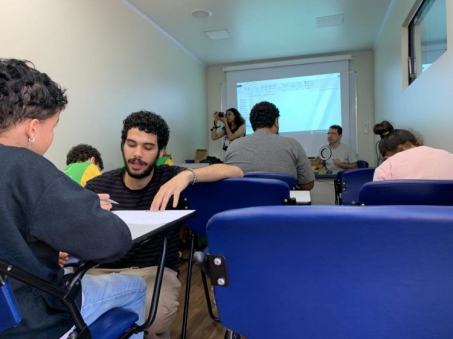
pixel 407 192
pixel 351 181
pixel 362 164
pixel 214 197
pixel 291 181
pixel 337 272
pixel 9 311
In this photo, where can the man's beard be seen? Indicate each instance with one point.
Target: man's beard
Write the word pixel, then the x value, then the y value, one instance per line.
pixel 145 172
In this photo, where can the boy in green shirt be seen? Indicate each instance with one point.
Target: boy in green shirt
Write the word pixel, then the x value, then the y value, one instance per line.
pixel 84 163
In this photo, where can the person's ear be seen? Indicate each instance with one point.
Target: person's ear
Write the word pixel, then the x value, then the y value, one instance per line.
pixel 92 160
pixel 32 128
pixel 276 122
pixel 161 153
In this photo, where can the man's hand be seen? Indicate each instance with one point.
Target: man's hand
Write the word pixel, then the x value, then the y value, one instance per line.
pixel 174 187
pixel 105 204
pixel 337 162
pixel 63 259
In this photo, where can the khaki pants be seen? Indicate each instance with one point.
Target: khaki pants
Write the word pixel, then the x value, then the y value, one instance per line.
pixel 168 300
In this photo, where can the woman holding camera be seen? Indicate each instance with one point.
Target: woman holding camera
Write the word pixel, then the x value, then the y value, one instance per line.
pixel 233 126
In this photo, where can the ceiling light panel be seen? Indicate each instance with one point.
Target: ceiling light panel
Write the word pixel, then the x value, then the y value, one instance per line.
pixel 328 21
pixel 218 35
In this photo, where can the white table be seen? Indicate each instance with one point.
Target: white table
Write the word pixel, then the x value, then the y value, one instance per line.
pixel 144 224
pixel 302 197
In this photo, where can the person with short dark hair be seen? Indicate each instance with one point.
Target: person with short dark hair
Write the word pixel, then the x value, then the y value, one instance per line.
pixel 342 156
pixel 43 212
pixel 233 127
pixel 405 157
pixel 266 151
pixel 142 185
pixel 84 163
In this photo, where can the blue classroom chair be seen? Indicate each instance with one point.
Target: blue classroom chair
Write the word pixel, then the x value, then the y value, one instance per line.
pixel 351 182
pixel 362 164
pixel 407 192
pixel 214 197
pixel 334 272
pixel 291 181
pixel 115 323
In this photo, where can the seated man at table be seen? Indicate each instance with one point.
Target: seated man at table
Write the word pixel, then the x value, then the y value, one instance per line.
pixel 266 151
pixel 342 156
pixel 135 187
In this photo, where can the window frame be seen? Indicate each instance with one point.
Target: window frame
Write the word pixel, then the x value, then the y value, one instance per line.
pixel 414 54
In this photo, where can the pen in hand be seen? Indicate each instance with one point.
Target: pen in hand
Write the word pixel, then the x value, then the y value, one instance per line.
pixel 112 201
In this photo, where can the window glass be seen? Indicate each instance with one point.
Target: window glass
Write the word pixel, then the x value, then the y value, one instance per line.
pixel 427 36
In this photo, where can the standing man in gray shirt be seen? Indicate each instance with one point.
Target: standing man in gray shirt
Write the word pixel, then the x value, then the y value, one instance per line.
pixel 342 156
pixel 266 151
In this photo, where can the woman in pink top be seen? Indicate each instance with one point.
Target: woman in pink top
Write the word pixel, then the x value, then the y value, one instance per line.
pixel 416 162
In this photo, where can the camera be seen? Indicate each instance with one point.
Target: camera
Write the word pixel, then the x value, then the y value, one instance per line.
pixel 221 114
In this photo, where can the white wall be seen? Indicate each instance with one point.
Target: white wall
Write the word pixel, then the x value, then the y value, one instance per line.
pixel 112 63
pixel 426 105
pixel 362 64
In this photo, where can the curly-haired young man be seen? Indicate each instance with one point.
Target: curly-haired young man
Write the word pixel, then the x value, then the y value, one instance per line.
pixel 84 163
pixel 44 212
pixel 142 185
pixel 266 151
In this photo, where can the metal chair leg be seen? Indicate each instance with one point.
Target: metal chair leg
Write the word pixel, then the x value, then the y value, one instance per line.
pixel 188 282
pixel 208 297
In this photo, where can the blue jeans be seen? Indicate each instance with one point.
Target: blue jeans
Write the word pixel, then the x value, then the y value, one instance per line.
pixel 104 292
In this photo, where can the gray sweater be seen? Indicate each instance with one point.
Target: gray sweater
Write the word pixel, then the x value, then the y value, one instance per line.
pixel 42 212
pixel 264 151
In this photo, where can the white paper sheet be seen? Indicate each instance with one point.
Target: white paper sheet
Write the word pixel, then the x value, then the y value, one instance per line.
pixel 142 222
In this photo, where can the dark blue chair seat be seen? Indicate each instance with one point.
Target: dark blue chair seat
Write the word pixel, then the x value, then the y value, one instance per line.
pixel 336 272
pixel 113 324
pixel 407 192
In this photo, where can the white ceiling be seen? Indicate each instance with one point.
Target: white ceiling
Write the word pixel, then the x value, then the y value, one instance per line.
pixel 266 29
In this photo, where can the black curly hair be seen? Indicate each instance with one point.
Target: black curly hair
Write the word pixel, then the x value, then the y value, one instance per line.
pixel 392 138
pixel 148 122
pixel 263 115
pixel 82 153
pixel 238 119
pixel 26 93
